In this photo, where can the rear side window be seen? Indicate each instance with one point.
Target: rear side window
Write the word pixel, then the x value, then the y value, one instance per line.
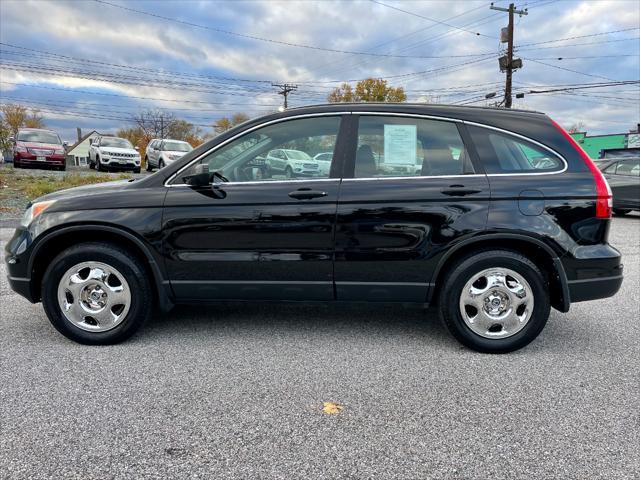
pixel 631 168
pixel 409 147
pixel 503 153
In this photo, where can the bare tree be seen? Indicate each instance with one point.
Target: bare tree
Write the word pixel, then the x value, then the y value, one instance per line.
pixel 154 123
pixel 577 127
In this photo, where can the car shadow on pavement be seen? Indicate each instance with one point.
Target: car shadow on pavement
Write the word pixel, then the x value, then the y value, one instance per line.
pixel 410 322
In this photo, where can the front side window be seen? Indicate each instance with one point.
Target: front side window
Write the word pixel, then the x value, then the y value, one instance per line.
pixel 409 147
pixel 503 153
pixel 260 155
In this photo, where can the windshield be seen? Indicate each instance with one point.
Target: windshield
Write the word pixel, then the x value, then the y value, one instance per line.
pixel 297 155
pixel 115 142
pixel 176 147
pixel 39 137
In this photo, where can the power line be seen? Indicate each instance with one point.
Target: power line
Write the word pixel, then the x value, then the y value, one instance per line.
pixel 431 19
pixel 129 96
pixel 262 39
pixel 579 36
pixel 569 69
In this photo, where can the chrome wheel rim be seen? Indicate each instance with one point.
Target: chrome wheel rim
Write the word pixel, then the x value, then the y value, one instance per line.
pixel 496 303
pixel 94 296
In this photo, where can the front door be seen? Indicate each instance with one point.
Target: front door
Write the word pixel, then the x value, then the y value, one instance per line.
pixel 414 191
pixel 253 234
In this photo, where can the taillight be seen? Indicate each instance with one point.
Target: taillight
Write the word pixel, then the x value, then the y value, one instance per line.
pixel 604 198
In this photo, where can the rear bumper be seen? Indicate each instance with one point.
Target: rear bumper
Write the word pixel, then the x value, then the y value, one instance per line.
pixel 594 288
pixel 594 271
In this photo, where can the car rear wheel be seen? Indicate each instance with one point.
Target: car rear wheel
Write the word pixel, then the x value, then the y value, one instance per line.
pixel 148 165
pixel 92 165
pixel 495 301
pixel 96 293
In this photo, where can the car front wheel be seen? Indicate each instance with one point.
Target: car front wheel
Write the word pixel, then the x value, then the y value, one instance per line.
pixel 495 301
pixel 96 293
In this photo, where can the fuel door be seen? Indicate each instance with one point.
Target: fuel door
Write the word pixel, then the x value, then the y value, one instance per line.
pixel 531 202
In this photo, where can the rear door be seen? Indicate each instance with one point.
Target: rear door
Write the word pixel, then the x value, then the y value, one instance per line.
pixel 254 237
pixel 410 191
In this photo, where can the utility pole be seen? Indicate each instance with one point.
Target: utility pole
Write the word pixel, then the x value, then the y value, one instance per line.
pixel 285 90
pixel 508 64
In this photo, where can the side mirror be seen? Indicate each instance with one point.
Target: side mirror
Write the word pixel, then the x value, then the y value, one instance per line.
pixel 12 139
pixel 198 180
pixel 65 144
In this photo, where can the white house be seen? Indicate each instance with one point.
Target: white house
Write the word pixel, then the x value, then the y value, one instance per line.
pixel 78 153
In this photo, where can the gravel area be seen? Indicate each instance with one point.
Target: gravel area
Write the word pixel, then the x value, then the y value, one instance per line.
pixel 237 392
pixel 12 204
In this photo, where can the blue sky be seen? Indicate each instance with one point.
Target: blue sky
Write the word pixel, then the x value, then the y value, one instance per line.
pixel 93 65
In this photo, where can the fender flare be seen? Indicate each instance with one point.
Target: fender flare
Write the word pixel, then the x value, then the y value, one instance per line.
pixel 164 293
pixel 557 263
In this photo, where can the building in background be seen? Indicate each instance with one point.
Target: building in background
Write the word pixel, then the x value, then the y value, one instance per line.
pixel 611 145
pixel 78 153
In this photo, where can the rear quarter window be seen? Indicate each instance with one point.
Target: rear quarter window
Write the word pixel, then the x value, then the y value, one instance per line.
pixel 502 153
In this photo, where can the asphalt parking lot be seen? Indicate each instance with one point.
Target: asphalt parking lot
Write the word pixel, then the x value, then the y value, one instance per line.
pixel 237 392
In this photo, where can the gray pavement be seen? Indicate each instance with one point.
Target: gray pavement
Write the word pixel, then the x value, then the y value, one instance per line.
pixel 237 391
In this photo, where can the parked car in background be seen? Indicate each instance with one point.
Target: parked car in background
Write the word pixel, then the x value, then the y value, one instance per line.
pixel 324 162
pixel 623 175
pixel 160 153
pixel 113 153
pixel 291 163
pixel 486 231
pixel 35 147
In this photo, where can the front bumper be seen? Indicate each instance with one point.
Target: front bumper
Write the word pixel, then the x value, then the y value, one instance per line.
pixel 120 164
pixel 51 160
pixel 17 260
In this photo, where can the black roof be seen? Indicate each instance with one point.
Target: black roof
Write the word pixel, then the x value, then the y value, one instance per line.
pixel 518 121
pixel 425 108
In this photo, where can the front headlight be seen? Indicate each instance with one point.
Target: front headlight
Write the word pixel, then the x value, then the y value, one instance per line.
pixel 33 211
pixel 59 151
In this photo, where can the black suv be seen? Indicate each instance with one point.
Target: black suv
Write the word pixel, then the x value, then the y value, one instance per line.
pixel 493 215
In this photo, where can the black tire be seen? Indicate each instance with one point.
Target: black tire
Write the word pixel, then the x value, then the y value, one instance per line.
pixel 99 165
pixel 16 164
pixel 288 172
pixel 136 170
pixel 464 270
pixel 160 164
pixel 92 165
pixel 148 166
pixel 128 265
pixel 621 211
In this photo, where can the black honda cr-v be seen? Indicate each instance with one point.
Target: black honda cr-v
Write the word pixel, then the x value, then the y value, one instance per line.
pixel 493 215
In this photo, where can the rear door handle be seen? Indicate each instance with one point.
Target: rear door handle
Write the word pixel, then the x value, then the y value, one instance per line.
pixel 306 194
pixel 459 192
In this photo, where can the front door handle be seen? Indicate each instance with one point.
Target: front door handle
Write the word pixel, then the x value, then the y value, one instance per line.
pixel 459 192
pixel 306 194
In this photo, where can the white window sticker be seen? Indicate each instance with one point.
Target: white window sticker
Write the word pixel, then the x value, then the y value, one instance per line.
pixel 400 144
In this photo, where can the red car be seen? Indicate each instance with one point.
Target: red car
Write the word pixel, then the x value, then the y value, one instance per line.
pixel 40 148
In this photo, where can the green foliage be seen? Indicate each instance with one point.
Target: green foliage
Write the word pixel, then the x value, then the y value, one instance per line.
pixel 368 90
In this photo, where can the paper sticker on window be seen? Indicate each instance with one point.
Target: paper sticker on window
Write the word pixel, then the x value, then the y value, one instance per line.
pixel 400 144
